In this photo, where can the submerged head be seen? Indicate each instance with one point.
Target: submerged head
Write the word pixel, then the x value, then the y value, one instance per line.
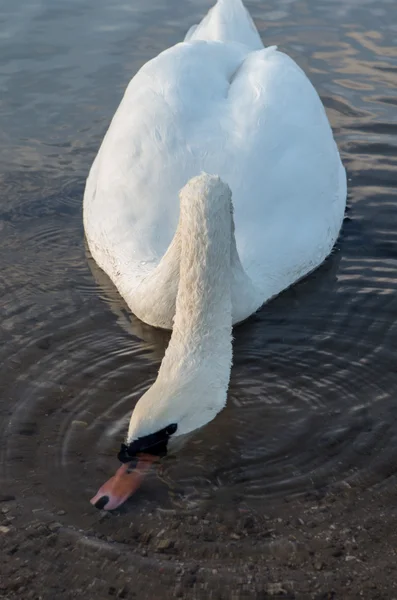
pixel 179 402
pixel 156 418
pixel 136 456
pixel 192 382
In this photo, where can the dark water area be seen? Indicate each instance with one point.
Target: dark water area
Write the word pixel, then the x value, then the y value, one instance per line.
pixel 312 403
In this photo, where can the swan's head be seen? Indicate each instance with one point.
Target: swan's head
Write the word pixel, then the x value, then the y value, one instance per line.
pixel 191 386
pixel 163 413
pixel 152 425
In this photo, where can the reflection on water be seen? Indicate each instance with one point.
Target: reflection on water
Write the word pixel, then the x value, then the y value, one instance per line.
pixel 312 395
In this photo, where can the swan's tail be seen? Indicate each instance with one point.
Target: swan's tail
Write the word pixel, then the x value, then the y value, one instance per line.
pixel 227 21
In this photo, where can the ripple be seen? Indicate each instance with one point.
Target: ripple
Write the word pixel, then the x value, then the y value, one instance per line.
pixel 312 395
pixel 310 402
pixel 306 413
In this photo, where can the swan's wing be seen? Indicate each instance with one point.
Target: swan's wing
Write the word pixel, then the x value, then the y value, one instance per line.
pixel 251 117
pixel 291 185
pixel 159 137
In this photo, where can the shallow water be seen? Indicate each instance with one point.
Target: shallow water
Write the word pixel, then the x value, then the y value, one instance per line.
pixel 312 399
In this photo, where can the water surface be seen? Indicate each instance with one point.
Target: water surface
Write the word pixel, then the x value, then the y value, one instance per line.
pixel 312 400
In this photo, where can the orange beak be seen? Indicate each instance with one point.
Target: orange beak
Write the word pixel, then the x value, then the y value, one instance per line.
pixel 123 484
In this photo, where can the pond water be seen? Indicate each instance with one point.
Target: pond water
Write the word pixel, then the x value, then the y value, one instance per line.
pixel 312 399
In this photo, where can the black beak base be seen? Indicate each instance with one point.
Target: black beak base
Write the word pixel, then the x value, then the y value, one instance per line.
pixel 154 443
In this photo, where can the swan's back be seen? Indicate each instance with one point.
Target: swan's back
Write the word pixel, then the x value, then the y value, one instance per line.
pixel 249 115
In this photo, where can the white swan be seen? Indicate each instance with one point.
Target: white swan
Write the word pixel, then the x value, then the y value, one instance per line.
pixel 216 103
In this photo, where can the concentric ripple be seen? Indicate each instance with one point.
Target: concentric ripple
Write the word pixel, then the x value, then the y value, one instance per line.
pixel 312 399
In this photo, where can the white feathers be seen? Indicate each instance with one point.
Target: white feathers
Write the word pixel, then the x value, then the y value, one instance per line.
pixel 227 21
pixel 194 375
pixel 219 103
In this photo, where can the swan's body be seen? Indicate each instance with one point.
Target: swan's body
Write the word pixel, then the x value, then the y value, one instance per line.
pixel 250 116
pixel 218 103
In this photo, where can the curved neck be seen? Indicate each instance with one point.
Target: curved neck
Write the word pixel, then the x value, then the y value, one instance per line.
pixel 191 386
pixel 203 317
pixel 154 300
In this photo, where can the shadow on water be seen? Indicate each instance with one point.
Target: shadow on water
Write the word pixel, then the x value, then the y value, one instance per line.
pixel 312 394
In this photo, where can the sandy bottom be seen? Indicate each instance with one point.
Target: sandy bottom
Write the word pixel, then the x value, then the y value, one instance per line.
pixel 338 544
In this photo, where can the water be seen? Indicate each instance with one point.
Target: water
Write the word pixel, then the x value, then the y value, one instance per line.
pixel 312 400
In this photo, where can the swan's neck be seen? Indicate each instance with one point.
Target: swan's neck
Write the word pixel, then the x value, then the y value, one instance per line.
pixel 203 317
pixel 192 383
pixel 154 300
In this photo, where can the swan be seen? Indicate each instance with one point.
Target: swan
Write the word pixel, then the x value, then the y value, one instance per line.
pixel 217 185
